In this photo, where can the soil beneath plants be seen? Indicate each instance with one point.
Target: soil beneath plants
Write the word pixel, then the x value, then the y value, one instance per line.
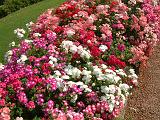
pixel 144 104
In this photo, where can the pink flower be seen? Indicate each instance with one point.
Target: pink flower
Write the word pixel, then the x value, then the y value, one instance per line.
pixel 135 19
pixel 118 26
pixel 106 30
pixel 2 102
pixel 143 21
pixel 50 104
pixel 62 117
pixel 102 9
pixel 30 105
pixel 6 110
pixel 6 117
pixel 50 35
pixel 121 47
pixel 5 113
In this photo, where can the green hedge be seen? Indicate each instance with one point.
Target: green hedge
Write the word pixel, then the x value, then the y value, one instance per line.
pixel 2 11
pixel 1 2
pixel 14 5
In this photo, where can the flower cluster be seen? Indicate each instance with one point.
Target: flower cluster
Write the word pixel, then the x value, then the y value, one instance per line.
pixel 5 113
pixel 77 61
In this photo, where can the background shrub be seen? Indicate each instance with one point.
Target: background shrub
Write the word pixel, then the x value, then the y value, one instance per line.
pixel 2 11
pixel 10 6
pixel 14 5
pixel 1 2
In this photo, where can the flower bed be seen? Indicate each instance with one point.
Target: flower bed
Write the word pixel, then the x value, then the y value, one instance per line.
pixel 77 61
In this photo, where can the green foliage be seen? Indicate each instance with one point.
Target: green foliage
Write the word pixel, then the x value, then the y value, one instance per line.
pixel 2 11
pixel 14 5
pixel 1 2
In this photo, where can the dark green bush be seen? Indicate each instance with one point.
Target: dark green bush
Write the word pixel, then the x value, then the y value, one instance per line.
pixel 1 2
pixel 14 5
pixel 34 1
pixel 2 12
pixel 10 6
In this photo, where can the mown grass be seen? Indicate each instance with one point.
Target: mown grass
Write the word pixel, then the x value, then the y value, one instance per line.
pixel 18 20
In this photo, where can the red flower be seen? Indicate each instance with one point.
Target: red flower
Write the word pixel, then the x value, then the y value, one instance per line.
pixel 114 61
pixel 95 52
pixel 46 68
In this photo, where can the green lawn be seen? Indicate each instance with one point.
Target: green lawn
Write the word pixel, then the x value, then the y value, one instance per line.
pixel 19 19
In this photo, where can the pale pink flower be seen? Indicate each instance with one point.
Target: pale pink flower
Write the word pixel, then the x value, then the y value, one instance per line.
pixel 62 117
pixel 135 19
pixel 143 21
pixel 106 30
pixel 6 110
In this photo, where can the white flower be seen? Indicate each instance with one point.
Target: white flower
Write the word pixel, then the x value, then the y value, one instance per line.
pixel 74 98
pixel 8 55
pixel 76 72
pixel 110 77
pixel 121 72
pixel 133 76
pixel 20 35
pixel 116 78
pixel 53 59
pixel 19 32
pixel 86 73
pixel 1 66
pixel 70 32
pixel 28 41
pixel 104 66
pixel 60 83
pixel 97 71
pixel 79 83
pixel 67 44
pixel 123 98
pixel 87 90
pixel 73 49
pixel 80 49
pixel 155 2
pixel 19 118
pixel 105 89
pixel 134 82
pixel 51 62
pixel 103 48
pixel 23 58
pixel 109 71
pixel 91 18
pixel 103 98
pixel 132 71
pixel 37 35
pixel 66 77
pixel 117 103
pixel 57 73
pixel 83 53
pixel 28 25
pixel 112 89
pixel 111 107
pixel 132 2
pixel 124 87
pixel 68 69
pixel 87 79
pixel 12 44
